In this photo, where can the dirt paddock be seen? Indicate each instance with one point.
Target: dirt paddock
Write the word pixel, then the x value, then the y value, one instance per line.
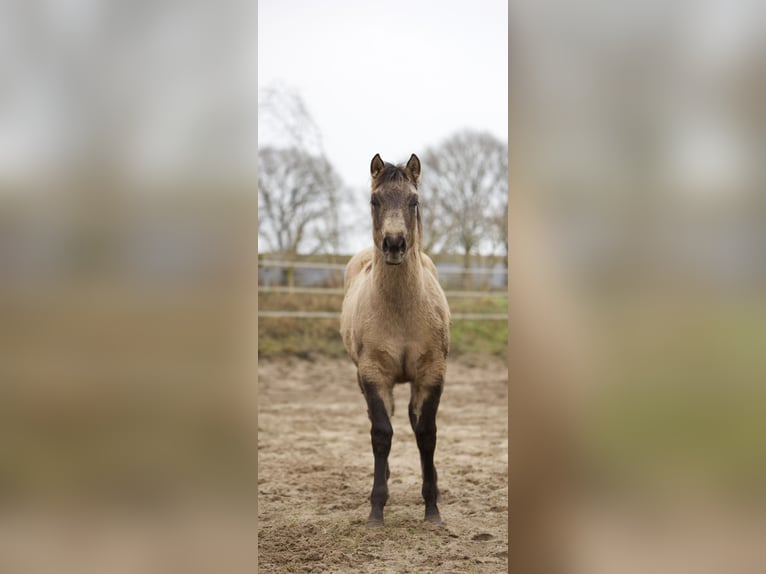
pixel 315 474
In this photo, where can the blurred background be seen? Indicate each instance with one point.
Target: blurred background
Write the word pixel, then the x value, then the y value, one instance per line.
pixel 128 202
pixel 637 269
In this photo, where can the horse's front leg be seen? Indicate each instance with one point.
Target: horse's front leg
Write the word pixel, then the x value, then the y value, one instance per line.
pixel 424 403
pixel 379 407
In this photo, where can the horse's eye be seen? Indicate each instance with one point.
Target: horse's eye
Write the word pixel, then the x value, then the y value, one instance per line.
pixel 414 203
pixel 375 202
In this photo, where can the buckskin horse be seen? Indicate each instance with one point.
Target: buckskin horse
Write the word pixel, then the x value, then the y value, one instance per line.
pixel 395 326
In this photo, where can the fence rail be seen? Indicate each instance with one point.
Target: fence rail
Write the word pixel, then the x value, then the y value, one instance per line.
pixel 336 315
pixel 301 264
pixel 278 314
pixel 339 291
pixel 342 266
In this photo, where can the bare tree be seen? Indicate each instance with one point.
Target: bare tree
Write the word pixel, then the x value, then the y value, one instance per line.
pixel 285 122
pixel 499 225
pixel 465 193
pixel 298 196
pixel 299 191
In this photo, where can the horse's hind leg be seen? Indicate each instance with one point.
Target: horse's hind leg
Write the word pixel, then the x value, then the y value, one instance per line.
pixel 380 434
pixel 422 410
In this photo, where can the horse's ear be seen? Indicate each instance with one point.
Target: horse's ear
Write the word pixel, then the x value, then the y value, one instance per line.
pixel 376 166
pixel 413 169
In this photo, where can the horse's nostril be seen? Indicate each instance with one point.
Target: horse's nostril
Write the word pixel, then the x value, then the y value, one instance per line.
pixel 397 243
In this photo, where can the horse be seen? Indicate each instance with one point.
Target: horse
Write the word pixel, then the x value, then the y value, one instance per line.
pixel 395 325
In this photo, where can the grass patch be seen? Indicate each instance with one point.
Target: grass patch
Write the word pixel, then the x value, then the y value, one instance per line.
pixel 307 337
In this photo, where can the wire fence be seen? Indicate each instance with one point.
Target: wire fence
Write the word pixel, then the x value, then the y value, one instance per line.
pixel 339 267
pixel 339 291
pixel 335 315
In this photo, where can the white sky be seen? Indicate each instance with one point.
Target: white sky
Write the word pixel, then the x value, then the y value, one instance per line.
pixel 388 76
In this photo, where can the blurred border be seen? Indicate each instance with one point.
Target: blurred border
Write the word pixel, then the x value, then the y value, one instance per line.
pixel 636 286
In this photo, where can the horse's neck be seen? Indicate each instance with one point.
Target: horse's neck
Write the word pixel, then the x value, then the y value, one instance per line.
pixel 399 285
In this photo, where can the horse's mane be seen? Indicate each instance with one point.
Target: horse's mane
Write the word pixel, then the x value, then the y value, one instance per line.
pixel 393 174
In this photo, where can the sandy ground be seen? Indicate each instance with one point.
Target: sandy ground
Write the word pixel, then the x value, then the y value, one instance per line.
pixel 315 473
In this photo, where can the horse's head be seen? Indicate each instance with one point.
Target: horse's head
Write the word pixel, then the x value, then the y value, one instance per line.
pixel 396 225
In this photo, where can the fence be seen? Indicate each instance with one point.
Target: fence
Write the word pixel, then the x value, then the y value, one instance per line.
pixel 339 267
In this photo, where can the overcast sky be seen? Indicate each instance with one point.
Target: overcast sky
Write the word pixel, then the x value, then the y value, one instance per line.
pixel 390 77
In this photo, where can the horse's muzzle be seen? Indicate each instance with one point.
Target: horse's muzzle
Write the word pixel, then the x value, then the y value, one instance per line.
pixel 394 248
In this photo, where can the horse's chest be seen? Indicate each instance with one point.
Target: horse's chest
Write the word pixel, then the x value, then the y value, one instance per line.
pixel 399 347
pixel 398 359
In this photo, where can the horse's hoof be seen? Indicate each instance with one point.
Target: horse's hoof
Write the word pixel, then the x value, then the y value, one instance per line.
pixel 434 518
pixel 374 523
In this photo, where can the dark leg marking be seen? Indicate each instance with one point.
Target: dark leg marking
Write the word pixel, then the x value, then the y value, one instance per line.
pixel 425 435
pixel 380 434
